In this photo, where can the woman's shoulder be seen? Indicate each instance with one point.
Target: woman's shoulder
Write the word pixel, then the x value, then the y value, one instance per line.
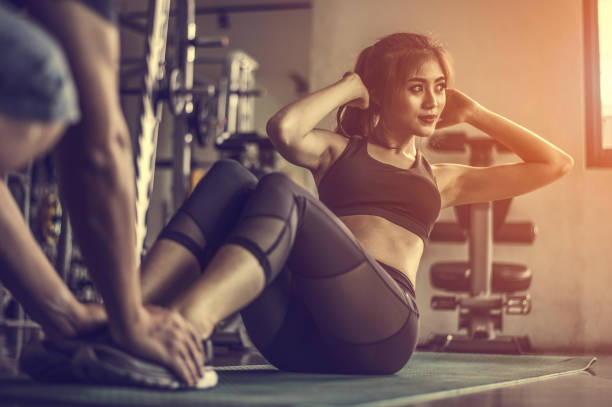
pixel 337 145
pixel 340 143
pixel 336 142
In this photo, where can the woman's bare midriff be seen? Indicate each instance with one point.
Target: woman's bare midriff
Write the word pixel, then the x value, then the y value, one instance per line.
pixel 382 239
pixel 387 242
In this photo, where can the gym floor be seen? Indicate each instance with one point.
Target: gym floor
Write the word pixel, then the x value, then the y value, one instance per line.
pixel 592 388
pixel 589 388
pixel 586 389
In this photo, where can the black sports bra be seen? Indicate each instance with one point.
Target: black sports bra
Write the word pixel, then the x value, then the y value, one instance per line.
pixel 357 184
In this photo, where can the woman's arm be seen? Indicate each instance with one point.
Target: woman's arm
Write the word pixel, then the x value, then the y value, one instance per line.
pixel 291 129
pixel 461 184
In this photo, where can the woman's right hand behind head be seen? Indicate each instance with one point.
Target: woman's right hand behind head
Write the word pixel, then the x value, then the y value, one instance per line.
pixel 359 92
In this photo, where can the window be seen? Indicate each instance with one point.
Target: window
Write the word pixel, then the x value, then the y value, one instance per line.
pixel 598 72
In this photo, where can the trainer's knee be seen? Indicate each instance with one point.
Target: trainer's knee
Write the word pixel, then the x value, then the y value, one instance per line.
pixel 22 141
pixel 36 77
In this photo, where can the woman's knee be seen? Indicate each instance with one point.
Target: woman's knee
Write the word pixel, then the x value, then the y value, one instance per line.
pixel 217 201
pixel 276 195
pixel 232 172
pixel 226 186
pixel 278 187
pixel 277 180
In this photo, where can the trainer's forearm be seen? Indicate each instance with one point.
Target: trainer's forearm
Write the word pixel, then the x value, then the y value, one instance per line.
pixel 27 273
pixel 95 158
pixel 98 189
pixel 295 120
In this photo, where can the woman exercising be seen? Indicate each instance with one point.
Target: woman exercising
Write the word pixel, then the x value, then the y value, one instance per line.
pixel 328 285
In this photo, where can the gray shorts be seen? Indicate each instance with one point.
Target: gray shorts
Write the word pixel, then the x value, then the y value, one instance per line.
pixel 35 78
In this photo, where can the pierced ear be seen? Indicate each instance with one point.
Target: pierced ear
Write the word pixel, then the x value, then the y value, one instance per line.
pixel 375 106
pixel 373 96
pixel 375 100
pixel 375 120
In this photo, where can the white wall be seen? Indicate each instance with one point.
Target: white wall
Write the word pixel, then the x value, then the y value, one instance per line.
pixel 522 59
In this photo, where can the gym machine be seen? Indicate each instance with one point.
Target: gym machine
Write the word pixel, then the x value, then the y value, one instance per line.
pixel 235 136
pixel 491 286
pixel 170 82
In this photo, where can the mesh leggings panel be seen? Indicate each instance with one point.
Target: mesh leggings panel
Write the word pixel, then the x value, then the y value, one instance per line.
pixel 268 230
pixel 335 309
pixel 182 229
pixel 211 211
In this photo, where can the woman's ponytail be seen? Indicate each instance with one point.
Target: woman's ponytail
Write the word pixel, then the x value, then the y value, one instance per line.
pixel 353 120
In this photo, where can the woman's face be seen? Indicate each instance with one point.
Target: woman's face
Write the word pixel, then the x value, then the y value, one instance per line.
pixel 416 107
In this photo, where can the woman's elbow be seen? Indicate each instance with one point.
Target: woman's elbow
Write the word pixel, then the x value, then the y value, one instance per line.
pixel 568 164
pixel 563 166
pixel 273 128
pixel 279 130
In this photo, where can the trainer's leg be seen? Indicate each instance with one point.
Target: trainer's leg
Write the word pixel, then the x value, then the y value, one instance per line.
pixel 186 245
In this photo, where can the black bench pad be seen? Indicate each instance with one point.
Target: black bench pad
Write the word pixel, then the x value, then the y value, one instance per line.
pixel 455 277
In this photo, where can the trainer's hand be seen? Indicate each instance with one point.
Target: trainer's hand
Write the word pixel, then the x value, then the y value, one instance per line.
pixel 73 321
pixel 165 337
pixel 90 316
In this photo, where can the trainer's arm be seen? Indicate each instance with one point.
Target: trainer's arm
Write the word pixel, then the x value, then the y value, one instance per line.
pixel 94 158
pixel 97 182
pixel 27 273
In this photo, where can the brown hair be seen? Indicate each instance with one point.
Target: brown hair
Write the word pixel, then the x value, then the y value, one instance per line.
pixel 382 67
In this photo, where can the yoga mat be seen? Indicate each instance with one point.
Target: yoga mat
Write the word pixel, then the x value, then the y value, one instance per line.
pixel 427 376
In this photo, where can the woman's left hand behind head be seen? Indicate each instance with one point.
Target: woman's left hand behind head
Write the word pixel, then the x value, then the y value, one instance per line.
pixel 459 108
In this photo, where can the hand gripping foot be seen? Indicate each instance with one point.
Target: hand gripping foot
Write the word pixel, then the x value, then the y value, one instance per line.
pixel 107 364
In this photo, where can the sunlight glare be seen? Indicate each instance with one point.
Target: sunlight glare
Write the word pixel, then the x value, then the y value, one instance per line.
pixel 605 68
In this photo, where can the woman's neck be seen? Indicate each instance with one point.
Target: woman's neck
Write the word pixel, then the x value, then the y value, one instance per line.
pixel 394 141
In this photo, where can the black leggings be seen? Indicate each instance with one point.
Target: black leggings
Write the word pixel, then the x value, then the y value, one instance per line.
pixel 328 306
